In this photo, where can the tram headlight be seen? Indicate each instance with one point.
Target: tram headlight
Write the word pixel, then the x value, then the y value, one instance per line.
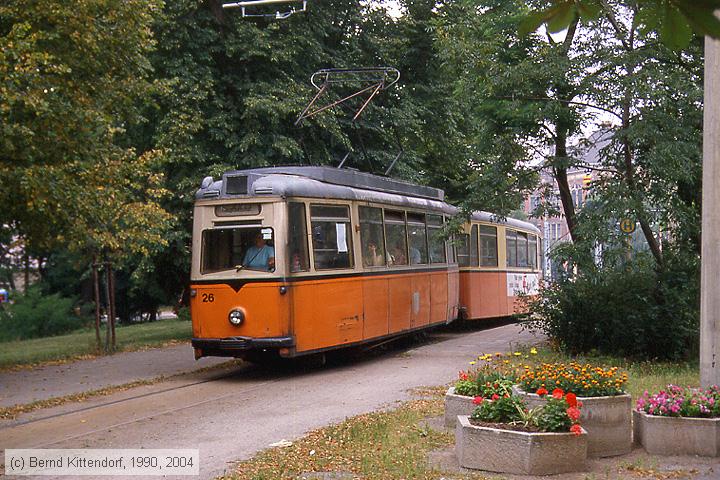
pixel 236 317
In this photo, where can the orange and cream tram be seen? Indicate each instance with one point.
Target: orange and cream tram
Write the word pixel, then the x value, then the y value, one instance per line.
pixel 297 260
pixel 499 263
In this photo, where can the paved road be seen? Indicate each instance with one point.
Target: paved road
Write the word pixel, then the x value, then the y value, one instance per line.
pixel 238 412
pixel 25 386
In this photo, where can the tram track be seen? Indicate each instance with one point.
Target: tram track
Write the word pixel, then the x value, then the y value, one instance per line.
pixel 119 401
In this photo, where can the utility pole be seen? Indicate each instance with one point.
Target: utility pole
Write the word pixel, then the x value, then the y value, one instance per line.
pixel 710 265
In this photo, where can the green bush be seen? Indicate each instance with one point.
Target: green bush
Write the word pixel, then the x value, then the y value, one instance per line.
pixel 36 315
pixel 631 309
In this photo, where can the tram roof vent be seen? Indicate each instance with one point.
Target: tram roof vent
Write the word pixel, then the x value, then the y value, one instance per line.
pixel 335 176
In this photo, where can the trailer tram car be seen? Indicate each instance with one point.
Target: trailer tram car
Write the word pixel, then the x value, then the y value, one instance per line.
pixel 499 263
pixel 288 261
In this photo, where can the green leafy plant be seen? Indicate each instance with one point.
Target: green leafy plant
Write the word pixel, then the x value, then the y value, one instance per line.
pixel 561 412
pixel 36 315
pixel 630 309
pixel 508 409
pixel 488 380
pixel 553 416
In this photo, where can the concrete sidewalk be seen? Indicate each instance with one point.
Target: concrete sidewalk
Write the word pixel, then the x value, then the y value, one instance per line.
pixel 29 385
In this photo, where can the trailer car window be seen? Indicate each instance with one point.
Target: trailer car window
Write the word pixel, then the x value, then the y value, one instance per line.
pixel 533 251
pixel 488 246
pixel 522 249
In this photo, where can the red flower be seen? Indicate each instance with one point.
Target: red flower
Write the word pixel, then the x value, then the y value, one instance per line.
pixel 558 393
pixel 542 391
pixel 478 400
pixel 576 429
pixel 571 400
pixel 462 375
pixel 579 404
pixel 495 396
pixel 573 413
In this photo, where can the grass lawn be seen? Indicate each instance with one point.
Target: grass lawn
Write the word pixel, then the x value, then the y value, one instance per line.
pixel 375 446
pixel 395 444
pixel 82 342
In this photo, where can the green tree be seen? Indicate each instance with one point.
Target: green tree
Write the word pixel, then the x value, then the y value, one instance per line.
pixel 73 79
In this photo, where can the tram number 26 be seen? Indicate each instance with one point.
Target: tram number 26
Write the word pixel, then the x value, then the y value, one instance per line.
pixel 208 297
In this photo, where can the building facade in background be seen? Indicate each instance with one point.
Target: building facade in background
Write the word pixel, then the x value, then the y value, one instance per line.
pixel 554 227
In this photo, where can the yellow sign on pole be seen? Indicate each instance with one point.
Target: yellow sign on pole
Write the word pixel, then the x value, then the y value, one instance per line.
pixel 627 225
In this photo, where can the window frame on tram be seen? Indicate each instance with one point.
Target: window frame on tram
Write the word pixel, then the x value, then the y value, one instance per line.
pixel 396 221
pixel 371 234
pixel 297 239
pixel 315 221
pixel 417 232
pixel 488 236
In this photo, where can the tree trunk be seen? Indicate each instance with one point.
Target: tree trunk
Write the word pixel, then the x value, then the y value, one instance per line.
pixel 561 179
pixel 108 310
pixel 561 133
pixel 26 262
pixel 112 302
pixel 635 193
pixel 96 291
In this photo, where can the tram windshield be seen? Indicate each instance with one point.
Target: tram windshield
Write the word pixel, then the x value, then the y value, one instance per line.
pixel 239 249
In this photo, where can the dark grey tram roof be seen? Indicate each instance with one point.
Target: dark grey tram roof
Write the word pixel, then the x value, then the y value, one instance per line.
pixel 322 182
pixel 490 217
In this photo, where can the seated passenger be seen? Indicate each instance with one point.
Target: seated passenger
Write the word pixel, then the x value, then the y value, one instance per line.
pixel 398 256
pixel 260 256
pixel 373 258
pixel 415 256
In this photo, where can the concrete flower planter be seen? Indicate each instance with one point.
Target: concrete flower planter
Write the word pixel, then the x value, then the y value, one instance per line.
pixel 456 405
pixel 506 451
pixel 677 435
pixel 608 421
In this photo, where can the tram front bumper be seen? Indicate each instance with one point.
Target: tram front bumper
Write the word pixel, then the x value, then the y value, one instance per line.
pixel 231 346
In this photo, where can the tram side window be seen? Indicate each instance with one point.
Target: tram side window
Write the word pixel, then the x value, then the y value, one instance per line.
pixel 417 237
pixel 474 253
pixel 488 246
pixel 297 238
pixel 332 238
pixel 450 247
pixel 511 247
pixel 372 239
pixel 241 248
pixel 522 249
pixel 396 237
pixel 533 251
pixel 435 237
pixel 462 243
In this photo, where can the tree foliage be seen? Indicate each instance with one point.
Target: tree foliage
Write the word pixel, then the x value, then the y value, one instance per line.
pixel 74 77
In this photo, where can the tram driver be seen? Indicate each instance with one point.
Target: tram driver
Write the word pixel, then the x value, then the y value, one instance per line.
pixel 260 256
